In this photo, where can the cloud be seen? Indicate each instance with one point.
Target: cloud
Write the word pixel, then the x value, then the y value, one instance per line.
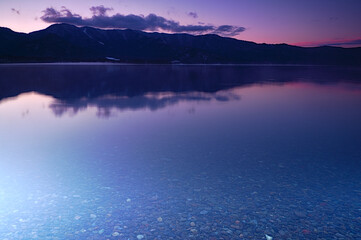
pixel 15 11
pixel 100 10
pixel 347 42
pixel 193 14
pixel 228 30
pixel 336 43
pixel 62 16
pixel 153 101
pixel 151 22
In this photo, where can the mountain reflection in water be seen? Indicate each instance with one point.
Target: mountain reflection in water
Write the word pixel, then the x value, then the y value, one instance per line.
pixel 78 86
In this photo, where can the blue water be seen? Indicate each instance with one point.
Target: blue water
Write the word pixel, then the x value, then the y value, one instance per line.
pixel 93 151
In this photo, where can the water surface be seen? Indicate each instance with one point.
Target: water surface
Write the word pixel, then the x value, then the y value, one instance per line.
pixel 179 152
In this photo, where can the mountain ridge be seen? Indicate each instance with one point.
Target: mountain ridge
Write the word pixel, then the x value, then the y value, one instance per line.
pixel 69 43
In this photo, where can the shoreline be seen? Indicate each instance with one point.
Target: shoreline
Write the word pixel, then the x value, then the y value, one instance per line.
pixel 172 64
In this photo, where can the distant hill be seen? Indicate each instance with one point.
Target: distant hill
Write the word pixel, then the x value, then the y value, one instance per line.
pixel 68 43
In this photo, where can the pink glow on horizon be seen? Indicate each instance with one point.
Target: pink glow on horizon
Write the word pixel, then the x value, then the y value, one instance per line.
pixel 339 43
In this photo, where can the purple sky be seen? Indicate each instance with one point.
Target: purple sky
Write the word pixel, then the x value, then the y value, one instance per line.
pixel 304 23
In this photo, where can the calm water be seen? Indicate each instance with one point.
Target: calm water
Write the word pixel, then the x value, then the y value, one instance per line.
pixel 179 152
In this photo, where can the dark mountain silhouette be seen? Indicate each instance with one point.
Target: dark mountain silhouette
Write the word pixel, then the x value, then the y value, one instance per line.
pixel 68 43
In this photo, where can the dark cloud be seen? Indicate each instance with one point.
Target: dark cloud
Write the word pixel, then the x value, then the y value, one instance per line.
pixel 335 43
pixel 151 22
pixel 100 10
pixel 228 30
pixel 15 11
pixel 346 43
pixel 62 16
pixel 193 14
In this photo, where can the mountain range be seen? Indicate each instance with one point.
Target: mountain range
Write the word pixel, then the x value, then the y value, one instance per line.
pixel 68 43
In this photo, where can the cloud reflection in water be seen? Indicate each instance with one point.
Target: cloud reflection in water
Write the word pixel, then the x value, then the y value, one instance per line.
pixel 106 105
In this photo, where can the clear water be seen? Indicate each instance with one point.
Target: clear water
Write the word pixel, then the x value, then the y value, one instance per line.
pixel 179 152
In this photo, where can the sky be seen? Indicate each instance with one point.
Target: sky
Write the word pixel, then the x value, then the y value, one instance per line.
pixel 302 23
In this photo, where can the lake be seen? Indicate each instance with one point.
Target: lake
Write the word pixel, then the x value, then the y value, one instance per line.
pixel 106 151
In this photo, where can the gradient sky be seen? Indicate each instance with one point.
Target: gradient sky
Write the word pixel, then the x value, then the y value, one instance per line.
pixel 304 23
